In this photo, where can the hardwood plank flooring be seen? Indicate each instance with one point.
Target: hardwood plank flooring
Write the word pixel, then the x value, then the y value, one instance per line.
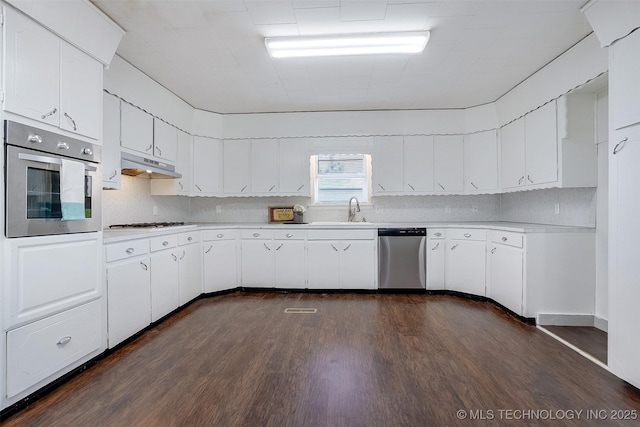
pixel 588 339
pixel 362 360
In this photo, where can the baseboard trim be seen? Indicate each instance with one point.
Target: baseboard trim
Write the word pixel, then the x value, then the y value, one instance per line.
pixel 600 323
pixel 566 319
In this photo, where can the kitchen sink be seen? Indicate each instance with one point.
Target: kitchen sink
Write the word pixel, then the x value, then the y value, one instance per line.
pixel 341 223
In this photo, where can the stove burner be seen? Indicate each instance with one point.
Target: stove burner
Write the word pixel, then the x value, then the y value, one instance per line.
pixel 148 225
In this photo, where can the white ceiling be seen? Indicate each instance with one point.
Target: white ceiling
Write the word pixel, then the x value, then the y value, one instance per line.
pixel 212 54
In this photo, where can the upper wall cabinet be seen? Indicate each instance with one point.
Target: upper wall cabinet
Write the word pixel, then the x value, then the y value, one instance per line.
pixel 294 174
pixel 165 140
pixel 207 162
pixel 541 145
pixel 481 162
pixel 448 163
pixel 264 167
pixel 418 164
pixel 136 131
pixel 387 166
pixel 178 186
pixel 111 142
pixel 236 170
pixel 512 159
pixel 50 81
pixel 625 85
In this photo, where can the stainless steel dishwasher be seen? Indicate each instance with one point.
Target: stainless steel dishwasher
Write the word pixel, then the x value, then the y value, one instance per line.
pixel 401 262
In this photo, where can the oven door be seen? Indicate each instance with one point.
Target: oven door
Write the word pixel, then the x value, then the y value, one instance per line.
pixel 33 195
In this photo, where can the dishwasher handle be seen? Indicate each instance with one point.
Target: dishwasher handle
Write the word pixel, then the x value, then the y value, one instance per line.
pixel 423 262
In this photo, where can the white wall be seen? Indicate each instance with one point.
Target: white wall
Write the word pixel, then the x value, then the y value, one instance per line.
pixel 602 208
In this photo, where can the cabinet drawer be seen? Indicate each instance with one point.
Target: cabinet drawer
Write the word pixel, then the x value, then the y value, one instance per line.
pixel 42 348
pixel 210 235
pixel 436 233
pixel 257 234
pixel 129 249
pixel 163 242
pixel 342 234
pixel 290 234
pixel 507 238
pixel 188 238
pixel 467 234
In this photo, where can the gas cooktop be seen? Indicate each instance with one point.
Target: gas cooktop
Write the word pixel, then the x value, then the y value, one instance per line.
pixel 148 225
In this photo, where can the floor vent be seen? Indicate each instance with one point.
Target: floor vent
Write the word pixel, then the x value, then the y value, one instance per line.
pixel 301 310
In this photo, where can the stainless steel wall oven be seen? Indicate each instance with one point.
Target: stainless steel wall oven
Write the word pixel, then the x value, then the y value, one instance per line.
pixel 33 163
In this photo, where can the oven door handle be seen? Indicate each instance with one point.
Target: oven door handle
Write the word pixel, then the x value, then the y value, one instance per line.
pixel 50 160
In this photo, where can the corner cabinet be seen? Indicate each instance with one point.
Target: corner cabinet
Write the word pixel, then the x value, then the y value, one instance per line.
pixel 178 186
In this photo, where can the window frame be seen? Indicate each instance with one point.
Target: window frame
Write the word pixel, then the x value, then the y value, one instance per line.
pixel 367 188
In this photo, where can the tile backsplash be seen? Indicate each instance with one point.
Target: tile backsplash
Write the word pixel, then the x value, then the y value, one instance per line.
pixel 133 203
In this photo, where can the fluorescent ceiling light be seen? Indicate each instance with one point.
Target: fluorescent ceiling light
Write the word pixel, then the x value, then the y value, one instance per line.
pixel 350 44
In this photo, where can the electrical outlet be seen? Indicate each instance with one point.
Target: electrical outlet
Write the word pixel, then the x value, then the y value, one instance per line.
pixel 155 210
pixel 218 209
pixel 557 208
pixel 447 209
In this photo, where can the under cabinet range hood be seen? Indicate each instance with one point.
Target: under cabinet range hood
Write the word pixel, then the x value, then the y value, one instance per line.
pixel 134 165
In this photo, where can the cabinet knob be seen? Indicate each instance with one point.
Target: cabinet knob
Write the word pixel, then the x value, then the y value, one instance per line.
pixel 504 239
pixel 438 234
pixel 35 139
pixel 289 235
pixel 62 146
pixel 165 243
pixel 130 250
pixel 87 151
pixel 64 340
pixel 219 235
pixel 189 238
pixel 467 235
pixel 256 234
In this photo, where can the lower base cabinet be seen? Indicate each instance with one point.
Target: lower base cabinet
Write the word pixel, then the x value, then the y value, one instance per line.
pixel 164 276
pixel 466 261
pixel 506 270
pixel 435 252
pixel 190 266
pixel 219 260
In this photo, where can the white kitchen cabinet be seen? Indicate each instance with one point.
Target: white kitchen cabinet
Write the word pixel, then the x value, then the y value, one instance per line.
pixel 80 92
pixel 466 261
pixel 418 164
pixel 111 142
pixel 236 167
pixel 481 162
pixel 323 261
pixel 207 166
pixel 448 163
pixel 264 167
pixel 624 81
pixel 512 142
pixel 164 276
pixel 387 166
pixel 190 266
pixel 257 258
pixel 178 186
pixel 165 140
pixel 506 261
pixel 358 268
pixel 220 260
pixel 128 289
pixel 136 129
pixel 294 175
pixel 290 259
pixel 541 147
pixel 435 262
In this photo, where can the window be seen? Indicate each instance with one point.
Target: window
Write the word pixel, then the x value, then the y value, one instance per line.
pixel 338 177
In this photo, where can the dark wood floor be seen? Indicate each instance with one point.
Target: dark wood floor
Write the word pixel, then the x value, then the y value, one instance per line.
pixel 362 360
pixel 588 339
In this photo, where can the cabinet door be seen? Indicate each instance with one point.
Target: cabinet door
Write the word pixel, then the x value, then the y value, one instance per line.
pixel 111 142
pixel 448 160
pixel 206 166
pixel 165 141
pixel 295 177
pixel 512 154
pixel 290 264
pixel 418 164
pixel 481 161
pixel 32 64
pixel 435 263
pixel 466 266
pixel 358 264
pixel 257 263
pixel 322 264
pixel 136 129
pixel 236 167
pixel 183 164
pixel 506 276
pixel 624 80
pixel 128 299
pixel 164 283
pixel 541 145
pixel 387 165
pixel 80 92
pixel 264 166
pixel 219 265
pixel 190 281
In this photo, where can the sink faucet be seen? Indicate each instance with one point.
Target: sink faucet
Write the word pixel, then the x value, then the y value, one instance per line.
pixel 352 211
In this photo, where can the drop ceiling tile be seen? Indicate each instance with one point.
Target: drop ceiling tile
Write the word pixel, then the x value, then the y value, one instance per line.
pixel 278 30
pixel 270 12
pixel 221 6
pixel 315 4
pixel 231 24
pixel 407 17
pixel 181 14
pixel 318 21
pixel 358 10
pixel 455 8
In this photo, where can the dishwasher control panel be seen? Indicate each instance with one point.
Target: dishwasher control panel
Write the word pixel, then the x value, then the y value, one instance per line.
pixel 414 231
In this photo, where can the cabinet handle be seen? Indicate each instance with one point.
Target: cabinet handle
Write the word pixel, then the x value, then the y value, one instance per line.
pixel 198 187
pixel 73 122
pixel 115 172
pixel 493 251
pixel 34 139
pixel 289 235
pixel 189 238
pixel 64 340
pixel 300 188
pixel 411 187
pixel 144 266
pixel 520 180
pixel 438 234
pixel 436 246
pixel 440 185
pixel 467 235
pixel 504 239
pixel 619 145
pixel 62 146
pixel 244 188
pixel 165 243
pixel 149 148
pixel 158 150
pixel 474 186
pixel 256 234
pixel 529 178
pixel 175 258
pixel 334 248
pixel 266 247
pixel 130 250
pixel 454 246
pixel 383 189
pixel 183 254
pixel 347 248
pixel 219 235
pixel 272 187
pixel 181 186
pixel 208 250
pixel 49 113
pixel 281 245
